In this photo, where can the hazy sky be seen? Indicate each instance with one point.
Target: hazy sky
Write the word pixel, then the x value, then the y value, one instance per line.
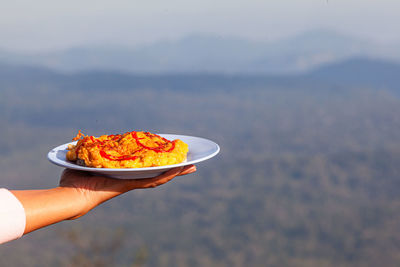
pixel 49 24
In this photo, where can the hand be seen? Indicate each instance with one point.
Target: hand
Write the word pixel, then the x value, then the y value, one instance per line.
pixel 94 190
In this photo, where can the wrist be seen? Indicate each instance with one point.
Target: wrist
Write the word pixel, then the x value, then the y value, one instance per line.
pixel 74 201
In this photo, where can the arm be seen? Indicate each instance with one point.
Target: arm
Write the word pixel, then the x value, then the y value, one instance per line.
pixel 78 193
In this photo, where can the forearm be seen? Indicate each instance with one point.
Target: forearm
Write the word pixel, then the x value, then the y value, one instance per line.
pixel 80 192
pixel 48 206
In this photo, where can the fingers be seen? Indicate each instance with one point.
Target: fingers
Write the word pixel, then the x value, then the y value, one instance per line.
pixel 163 178
pixel 156 181
pixel 80 179
pixel 187 170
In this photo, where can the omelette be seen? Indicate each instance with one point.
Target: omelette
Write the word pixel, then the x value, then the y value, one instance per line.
pixel 134 149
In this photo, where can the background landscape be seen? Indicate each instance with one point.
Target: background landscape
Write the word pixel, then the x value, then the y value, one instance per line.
pixel 303 98
pixel 308 173
pixel 210 53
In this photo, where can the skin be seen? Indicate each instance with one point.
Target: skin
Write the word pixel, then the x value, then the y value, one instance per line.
pixel 78 193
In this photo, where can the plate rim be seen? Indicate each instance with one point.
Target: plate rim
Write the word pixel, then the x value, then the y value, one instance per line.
pixel 51 156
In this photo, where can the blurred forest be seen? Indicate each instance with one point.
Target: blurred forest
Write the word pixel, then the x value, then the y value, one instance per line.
pixel 308 173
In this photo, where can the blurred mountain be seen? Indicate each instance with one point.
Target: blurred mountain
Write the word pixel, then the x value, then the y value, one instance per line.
pixel 354 72
pixel 361 71
pixel 207 53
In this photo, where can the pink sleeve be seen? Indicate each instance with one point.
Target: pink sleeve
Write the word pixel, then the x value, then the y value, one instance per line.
pixel 12 217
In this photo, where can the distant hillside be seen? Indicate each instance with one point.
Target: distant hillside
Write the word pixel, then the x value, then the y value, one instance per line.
pixel 212 54
pixel 356 72
pixel 361 71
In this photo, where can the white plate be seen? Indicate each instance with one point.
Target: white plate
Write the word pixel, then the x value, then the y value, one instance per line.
pixel 200 149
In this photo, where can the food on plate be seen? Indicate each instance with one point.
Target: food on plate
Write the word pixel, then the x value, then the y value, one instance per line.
pixel 130 150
